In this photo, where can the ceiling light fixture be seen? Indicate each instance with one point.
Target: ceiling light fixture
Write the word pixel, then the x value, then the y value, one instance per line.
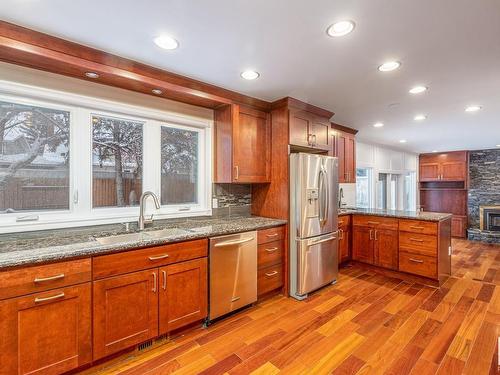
pixel 498 145
pixel 250 75
pixel 340 28
pixel 389 66
pixel 417 90
pixel 166 42
pixel 92 75
pixel 402 141
pixel 473 108
pixel 157 91
pixel 378 125
pixel 420 117
pixel 434 150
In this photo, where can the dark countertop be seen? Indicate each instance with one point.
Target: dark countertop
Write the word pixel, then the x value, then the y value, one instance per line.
pixel 416 215
pixel 27 248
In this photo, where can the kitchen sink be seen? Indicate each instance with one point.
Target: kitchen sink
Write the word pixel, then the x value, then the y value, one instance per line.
pixel 121 238
pixel 166 232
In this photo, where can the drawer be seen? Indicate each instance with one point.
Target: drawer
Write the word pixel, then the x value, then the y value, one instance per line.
pixel 269 278
pixel 271 234
pixel 344 220
pixel 270 253
pixel 417 243
pixel 141 259
pixel 418 264
pixel 375 222
pixel 35 279
pixel 418 226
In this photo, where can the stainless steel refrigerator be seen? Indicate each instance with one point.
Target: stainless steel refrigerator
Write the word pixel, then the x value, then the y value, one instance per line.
pixel 313 222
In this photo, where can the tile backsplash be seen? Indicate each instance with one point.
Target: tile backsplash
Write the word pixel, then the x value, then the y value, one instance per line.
pixel 232 199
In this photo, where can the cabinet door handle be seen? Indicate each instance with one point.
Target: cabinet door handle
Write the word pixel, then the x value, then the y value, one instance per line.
pixel 269 274
pixel 376 239
pixel 50 278
pixel 236 172
pixel 271 249
pixel 416 240
pixel 272 235
pixel 44 299
pixel 371 234
pixel 164 274
pixel 153 258
pixel 154 282
pixel 416 260
pixel 373 222
pixel 341 234
pixel 416 227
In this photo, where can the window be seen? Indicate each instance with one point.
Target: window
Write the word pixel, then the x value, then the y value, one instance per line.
pixel 410 191
pixel 118 151
pixel 116 162
pixel 34 158
pixel 363 187
pixel 382 191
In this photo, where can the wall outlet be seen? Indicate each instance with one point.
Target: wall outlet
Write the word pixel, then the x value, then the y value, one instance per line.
pixel 215 203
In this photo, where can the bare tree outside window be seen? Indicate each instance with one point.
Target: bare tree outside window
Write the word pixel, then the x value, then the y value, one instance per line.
pixel 34 158
pixel 116 162
pixel 179 166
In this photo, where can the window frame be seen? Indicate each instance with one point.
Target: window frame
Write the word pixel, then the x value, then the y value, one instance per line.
pixel 81 109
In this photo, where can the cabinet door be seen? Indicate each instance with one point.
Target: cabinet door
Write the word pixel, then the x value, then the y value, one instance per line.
pixel 386 248
pixel 46 333
pixel 183 294
pixel 320 131
pixel 362 244
pixel 252 146
pixel 429 171
pixel 125 311
pixel 341 154
pixel 300 128
pixel 458 226
pixel 344 241
pixel 454 171
pixel 350 158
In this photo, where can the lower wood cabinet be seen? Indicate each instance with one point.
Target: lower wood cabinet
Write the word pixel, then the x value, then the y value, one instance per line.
pixel 183 294
pixel 459 226
pixel 125 311
pixel 376 246
pixel 344 238
pixel 270 252
pixel 362 244
pixel 46 333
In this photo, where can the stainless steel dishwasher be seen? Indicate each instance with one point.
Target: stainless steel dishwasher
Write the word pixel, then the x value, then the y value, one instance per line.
pixel 233 272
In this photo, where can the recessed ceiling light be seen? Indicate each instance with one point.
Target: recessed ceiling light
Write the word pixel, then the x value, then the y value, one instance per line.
pixel 389 66
pixel 92 75
pixel 402 141
pixel 340 28
pixel 434 150
pixel 157 91
pixel 250 75
pixel 166 42
pixel 473 108
pixel 417 89
pixel 420 117
pixel 378 125
pixel 498 145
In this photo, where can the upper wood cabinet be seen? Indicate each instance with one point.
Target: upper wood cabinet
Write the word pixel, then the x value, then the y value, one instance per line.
pixel 309 130
pixel 345 150
pixel 47 332
pixel 242 145
pixel 450 166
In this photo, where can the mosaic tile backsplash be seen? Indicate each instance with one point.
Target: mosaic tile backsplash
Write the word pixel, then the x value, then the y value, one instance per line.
pixel 232 199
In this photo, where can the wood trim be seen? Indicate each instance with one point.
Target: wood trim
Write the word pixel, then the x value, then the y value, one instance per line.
pixel 22 46
pixel 343 128
pixel 288 102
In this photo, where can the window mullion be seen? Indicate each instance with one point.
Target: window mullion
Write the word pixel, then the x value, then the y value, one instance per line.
pixel 82 163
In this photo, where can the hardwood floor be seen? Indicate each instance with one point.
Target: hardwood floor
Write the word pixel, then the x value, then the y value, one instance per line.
pixel 366 324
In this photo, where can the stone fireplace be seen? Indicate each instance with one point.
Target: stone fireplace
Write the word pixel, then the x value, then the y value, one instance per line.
pixel 489 218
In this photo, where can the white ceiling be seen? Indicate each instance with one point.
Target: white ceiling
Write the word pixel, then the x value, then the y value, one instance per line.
pixel 452 46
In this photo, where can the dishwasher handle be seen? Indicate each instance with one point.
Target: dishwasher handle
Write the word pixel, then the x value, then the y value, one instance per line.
pixel 236 242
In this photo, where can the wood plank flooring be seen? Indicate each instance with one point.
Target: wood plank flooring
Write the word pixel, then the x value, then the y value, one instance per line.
pixel 366 324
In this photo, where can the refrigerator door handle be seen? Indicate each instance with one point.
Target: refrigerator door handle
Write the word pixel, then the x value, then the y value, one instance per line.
pixel 327 196
pixel 321 188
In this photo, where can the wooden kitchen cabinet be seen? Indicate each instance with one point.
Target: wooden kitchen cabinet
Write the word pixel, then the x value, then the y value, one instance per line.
pixel 47 332
pixel 125 311
pixel 242 138
pixel 183 294
pixel 309 130
pixel 362 244
pixel 345 150
pixel 271 249
pixel 449 166
pixel 344 238
pixel 386 248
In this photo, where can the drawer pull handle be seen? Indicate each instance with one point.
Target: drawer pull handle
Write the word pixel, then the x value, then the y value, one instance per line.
pixel 154 282
pixel 51 278
pixel 164 273
pixel 44 299
pixel 234 299
pixel 271 249
pixel 158 257
pixel 416 227
pixel 416 240
pixel 373 222
pixel 416 260
pixel 269 274
pixel 272 235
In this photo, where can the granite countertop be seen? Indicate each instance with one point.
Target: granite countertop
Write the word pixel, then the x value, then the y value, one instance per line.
pixel 27 248
pixel 416 215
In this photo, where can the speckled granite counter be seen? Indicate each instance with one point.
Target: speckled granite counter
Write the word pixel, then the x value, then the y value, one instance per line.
pixel 416 215
pixel 28 248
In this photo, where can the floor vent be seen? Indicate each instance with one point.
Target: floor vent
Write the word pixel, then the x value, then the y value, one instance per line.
pixel 145 345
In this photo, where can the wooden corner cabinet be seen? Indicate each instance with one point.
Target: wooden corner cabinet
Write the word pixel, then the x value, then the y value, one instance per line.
pixel 242 143
pixel 345 150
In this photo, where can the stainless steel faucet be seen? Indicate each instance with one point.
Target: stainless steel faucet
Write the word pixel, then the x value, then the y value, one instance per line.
pixel 142 219
pixel 341 195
